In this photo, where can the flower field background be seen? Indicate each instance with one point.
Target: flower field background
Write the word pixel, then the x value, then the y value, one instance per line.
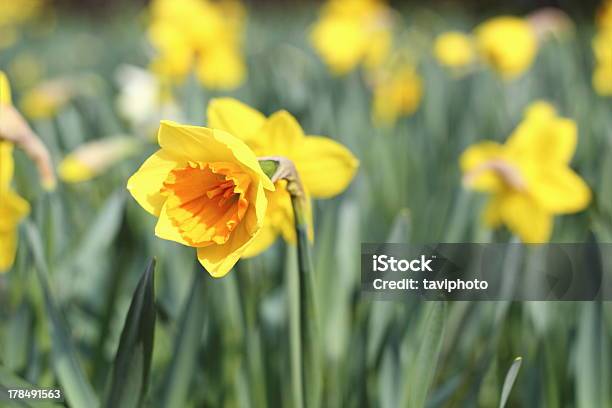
pixel 84 309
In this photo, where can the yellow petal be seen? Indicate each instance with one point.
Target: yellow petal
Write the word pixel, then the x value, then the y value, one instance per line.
pixel 262 241
pixel 340 42
pixel 5 90
pixel 201 144
pixel 280 212
pixel 473 161
pixel 72 170
pixel 193 143
pixel 8 249
pixel 164 228
pixel 526 219
pixel 454 49
pixel 234 117
pixel 559 190
pixel 326 167
pixel 6 164
pixel 602 79
pixel 540 110
pixel 146 183
pixel 220 259
pixel 543 140
pixel 509 44
pixel 492 213
pixel 13 209
pixel 221 68
pixel 280 135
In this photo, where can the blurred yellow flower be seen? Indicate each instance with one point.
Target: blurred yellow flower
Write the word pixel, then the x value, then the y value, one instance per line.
pixel 46 99
pixel 352 32
pixel 508 44
pixel 397 92
pixel 13 208
pixel 528 177
pixel 602 48
pixel 604 15
pixel 325 167
pixel 26 69
pixel 93 158
pixel 454 49
pixel 12 14
pixel 199 34
pixel 208 191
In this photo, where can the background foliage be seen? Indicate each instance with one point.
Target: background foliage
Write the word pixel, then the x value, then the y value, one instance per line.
pixel 77 291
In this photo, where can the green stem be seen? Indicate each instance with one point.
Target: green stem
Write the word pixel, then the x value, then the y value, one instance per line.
pixel 308 314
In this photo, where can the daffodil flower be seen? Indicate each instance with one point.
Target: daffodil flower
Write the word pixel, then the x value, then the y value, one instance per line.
pixel 325 167
pixel 208 191
pixel 602 75
pixel 397 92
pixel 199 35
pixel 93 158
pixel 604 15
pixel 13 14
pixel 13 208
pixel 508 44
pixel 454 49
pixel 529 177
pixel 352 32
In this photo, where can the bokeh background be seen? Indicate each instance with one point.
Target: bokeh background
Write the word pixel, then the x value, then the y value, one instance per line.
pixel 81 72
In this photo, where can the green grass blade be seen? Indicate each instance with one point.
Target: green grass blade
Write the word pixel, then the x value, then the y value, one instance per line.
pixel 130 375
pixel 102 231
pixel 590 358
pixel 75 386
pixel 421 373
pixel 178 377
pixel 509 381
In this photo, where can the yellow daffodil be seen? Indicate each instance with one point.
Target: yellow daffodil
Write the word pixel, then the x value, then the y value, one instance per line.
pixel 397 93
pixel 325 167
pixel 26 69
pixel 352 32
pixel 602 76
pixel 528 177
pixel 602 48
pixel 93 158
pixel 454 49
pixel 13 208
pixel 13 14
pixel 200 35
pixel 47 98
pixel 604 16
pixel 508 44
pixel 208 191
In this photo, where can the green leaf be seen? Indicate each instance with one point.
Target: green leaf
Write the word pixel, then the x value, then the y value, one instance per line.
pixel 130 375
pixel 591 358
pixel 102 231
pixel 9 381
pixel 178 377
pixel 74 384
pixel 421 373
pixel 16 345
pixel 509 381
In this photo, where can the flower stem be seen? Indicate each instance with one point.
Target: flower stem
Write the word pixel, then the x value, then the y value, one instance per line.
pixel 308 327
pixel 304 336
